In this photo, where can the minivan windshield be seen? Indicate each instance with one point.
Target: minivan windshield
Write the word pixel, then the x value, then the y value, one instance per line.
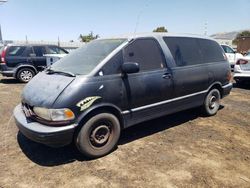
pixel 83 60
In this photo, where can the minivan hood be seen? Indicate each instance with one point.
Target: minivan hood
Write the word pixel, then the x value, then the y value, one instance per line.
pixel 44 89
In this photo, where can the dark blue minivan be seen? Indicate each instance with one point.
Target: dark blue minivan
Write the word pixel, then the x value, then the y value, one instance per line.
pixel 107 85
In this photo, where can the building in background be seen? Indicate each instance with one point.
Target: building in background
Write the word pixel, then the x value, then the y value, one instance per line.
pixel 226 38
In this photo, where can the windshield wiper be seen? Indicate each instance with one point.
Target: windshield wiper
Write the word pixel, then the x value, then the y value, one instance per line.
pixel 51 71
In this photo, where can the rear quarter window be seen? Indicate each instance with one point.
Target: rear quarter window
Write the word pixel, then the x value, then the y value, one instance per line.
pixel 211 51
pixel 15 50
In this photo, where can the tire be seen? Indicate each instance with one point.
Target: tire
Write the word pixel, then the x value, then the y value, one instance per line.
pixel 25 75
pixel 99 135
pixel 212 102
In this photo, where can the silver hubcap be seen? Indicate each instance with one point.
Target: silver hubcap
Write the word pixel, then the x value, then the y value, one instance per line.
pixel 26 75
pixel 212 102
pixel 100 135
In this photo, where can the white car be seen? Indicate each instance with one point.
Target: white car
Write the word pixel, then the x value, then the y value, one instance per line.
pixel 232 56
pixel 242 69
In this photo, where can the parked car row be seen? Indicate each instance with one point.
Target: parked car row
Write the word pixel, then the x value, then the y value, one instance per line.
pixel 24 61
pixel 231 54
pixel 242 69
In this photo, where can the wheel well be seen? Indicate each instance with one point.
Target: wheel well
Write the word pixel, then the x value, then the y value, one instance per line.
pixel 24 67
pixel 103 109
pixel 217 86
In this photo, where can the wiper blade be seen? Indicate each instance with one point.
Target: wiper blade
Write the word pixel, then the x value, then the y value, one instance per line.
pixel 51 71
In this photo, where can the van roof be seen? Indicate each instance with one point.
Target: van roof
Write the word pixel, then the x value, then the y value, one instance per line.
pixel 159 34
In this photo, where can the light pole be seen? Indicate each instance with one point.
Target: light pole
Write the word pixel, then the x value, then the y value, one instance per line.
pixel 1 38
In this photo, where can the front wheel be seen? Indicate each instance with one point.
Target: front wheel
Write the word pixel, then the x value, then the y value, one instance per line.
pixel 99 135
pixel 212 102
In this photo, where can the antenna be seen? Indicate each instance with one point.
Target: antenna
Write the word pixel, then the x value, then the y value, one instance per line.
pixel 139 14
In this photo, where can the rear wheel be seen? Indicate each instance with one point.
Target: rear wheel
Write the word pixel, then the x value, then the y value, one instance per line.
pixel 25 75
pixel 212 102
pixel 99 135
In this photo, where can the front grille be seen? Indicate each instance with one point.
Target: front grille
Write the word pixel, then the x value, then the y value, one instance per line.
pixel 27 110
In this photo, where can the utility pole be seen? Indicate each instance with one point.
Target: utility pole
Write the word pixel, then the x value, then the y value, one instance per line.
pixel 205 28
pixel 1 37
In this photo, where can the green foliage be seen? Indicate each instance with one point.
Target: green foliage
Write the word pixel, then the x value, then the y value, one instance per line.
pixel 88 38
pixel 240 35
pixel 160 29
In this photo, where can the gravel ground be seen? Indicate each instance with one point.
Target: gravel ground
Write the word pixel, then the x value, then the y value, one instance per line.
pixel 179 150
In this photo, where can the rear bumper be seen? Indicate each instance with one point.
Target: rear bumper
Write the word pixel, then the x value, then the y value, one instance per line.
pixel 226 89
pixel 50 136
pixel 6 71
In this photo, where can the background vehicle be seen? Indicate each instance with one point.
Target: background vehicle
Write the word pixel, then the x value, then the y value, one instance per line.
pixel 242 70
pixel 24 61
pixel 231 54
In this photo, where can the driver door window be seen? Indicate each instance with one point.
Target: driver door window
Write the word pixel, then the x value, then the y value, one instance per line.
pixel 145 52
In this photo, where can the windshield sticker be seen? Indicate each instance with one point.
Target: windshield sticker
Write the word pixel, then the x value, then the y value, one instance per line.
pixel 87 102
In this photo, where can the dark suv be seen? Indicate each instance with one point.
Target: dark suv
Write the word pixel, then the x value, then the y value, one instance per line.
pixel 24 61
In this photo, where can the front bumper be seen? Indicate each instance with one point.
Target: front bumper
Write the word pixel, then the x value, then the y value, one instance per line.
pixel 226 89
pixel 50 136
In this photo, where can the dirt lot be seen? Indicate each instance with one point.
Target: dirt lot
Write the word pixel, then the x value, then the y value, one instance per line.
pixel 180 150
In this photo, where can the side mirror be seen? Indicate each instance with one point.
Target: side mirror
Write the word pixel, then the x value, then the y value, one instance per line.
pixel 130 67
pixel 32 55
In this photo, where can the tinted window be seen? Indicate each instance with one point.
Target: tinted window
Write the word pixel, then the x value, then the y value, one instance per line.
pixel 185 51
pixel 211 51
pixel 227 49
pixel 15 50
pixel 55 50
pixel 27 51
pixel 83 60
pixel 191 51
pixel 39 50
pixel 113 66
pixel 145 52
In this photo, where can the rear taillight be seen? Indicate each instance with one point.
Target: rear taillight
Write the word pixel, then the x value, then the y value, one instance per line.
pixel 241 62
pixel 3 55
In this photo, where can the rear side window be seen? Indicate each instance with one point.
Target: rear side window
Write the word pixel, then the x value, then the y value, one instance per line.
pixel 15 50
pixel 211 51
pixel 39 50
pixel 27 51
pixel 145 52
pixel 185 51
pixel 55 50
pixel 192 51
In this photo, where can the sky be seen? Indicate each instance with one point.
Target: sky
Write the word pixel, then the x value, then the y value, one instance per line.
pixel 67 19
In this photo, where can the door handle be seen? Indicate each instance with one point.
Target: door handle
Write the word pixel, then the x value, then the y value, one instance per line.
pixel 167 75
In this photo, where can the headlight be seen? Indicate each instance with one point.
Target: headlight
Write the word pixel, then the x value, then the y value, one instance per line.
pixel 54 114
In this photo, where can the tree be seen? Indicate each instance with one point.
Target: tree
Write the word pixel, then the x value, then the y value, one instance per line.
pixel 240 35
pixel 88 38
pixel 160 29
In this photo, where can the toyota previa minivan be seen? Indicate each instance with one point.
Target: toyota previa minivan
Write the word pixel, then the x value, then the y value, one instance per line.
pixel 91 95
